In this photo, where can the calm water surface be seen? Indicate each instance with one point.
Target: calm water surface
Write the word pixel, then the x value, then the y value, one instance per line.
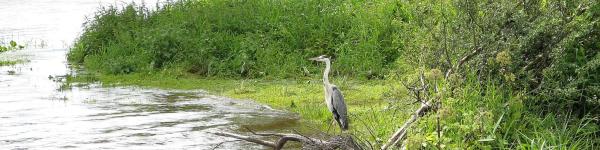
pixel 36 114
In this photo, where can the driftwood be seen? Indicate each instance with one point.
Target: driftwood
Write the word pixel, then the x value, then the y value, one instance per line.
pixel 426 104
pixel 401 133
pixel 341 142
pixel 421 95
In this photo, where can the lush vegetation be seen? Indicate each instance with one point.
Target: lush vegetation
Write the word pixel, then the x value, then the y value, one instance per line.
pixel 532 82
pixel 252 39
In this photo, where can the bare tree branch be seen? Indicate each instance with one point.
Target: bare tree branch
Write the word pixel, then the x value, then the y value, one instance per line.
pixel 426 106
pixel 463 61
pixel 401 133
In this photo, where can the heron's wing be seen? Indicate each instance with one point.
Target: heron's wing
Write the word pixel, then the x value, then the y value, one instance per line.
pixel 340 107
pixel 338 101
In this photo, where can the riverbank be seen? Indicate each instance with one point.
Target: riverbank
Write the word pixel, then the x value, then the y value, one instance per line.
pixel 379 107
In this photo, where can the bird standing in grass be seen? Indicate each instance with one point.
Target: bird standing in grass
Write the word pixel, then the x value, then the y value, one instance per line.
pixel 333 96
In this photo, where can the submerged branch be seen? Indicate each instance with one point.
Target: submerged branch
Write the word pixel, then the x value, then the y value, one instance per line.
pixel 247 138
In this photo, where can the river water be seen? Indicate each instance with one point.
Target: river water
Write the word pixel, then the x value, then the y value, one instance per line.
pixel 38 112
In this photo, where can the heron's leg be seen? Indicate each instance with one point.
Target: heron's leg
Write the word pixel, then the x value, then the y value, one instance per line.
pixel 333 123
pixel 329 127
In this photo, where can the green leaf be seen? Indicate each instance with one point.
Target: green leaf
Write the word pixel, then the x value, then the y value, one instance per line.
pixel 498 122
pixel 486 140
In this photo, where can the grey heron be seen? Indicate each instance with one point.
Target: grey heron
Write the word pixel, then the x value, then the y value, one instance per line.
pixel 333 96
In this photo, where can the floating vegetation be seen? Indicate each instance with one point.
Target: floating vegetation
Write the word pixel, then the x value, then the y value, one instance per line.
pixel 9 62
pixel 12 45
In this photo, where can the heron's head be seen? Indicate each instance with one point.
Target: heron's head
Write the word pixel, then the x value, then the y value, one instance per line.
pixel 321 58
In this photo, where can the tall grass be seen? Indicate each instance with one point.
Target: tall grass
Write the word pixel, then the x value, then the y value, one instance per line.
pixel 497 117
pixel 241 38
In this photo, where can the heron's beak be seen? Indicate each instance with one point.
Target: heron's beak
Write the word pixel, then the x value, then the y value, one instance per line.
pixel 315 59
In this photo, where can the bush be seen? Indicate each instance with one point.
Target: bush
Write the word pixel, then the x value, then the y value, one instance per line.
pixel 547 49
pixel 533 82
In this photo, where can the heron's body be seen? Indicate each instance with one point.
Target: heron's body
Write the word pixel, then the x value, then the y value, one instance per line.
pixel 333 97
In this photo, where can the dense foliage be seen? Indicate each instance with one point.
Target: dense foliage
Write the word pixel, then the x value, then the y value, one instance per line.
pixel 533 58
pixel 533 80
pixel 546 49
pixel 240 38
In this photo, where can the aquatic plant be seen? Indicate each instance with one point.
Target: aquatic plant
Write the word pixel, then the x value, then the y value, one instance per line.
pixel 12 46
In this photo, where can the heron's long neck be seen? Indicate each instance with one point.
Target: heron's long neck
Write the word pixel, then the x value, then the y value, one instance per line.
pixel 326 72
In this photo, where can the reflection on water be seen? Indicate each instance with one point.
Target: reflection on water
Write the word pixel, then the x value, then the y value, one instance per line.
pixel 35 114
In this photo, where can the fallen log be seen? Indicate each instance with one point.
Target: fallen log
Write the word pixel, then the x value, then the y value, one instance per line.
pixel 401 133
pixel 421 94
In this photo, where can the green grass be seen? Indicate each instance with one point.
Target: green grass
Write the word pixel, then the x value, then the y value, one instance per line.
pixel 498 118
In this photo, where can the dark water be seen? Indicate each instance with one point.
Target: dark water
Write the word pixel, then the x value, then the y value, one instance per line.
pixel 36 113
